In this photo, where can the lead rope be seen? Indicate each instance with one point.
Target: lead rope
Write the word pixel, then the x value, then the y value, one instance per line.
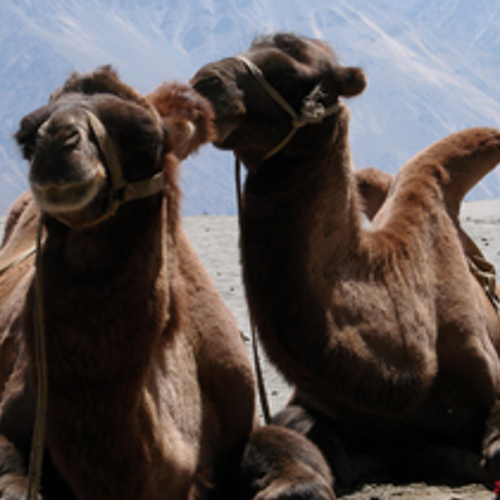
pixel 17 260
pixel 37 443
pixel 261 386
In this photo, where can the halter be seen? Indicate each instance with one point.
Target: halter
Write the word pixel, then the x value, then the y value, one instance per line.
pixel 121 190
pixel 312 111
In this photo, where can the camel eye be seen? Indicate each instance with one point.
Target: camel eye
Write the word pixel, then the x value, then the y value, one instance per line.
pixel 211 81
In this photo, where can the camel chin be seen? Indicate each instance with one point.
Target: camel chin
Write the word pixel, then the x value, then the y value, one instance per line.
pixel 69 198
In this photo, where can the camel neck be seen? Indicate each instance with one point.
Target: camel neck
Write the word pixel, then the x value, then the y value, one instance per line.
pixel 106 248
pixel 293 239
pixel 307 204
pixel 95 317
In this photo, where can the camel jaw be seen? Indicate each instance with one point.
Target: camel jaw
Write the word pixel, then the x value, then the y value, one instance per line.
pixel 56 199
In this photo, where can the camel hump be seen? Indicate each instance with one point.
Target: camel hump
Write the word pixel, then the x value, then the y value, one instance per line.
pixel 186 115
pixel 458 162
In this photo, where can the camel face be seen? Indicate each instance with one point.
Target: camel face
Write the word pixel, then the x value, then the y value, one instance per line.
pixel 66 172
pixel 75 148
pixel 249 119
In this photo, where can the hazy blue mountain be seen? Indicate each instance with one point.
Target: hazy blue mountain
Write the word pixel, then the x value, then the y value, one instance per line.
pixel 433 68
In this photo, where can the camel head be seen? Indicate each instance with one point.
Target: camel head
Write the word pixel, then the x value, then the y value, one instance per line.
pixel 98 143
pixel 306 82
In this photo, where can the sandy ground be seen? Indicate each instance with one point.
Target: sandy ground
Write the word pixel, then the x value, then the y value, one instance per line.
pixel 216 241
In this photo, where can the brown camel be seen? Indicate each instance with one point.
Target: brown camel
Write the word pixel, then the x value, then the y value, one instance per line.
pixel 388 339
pixel 150 389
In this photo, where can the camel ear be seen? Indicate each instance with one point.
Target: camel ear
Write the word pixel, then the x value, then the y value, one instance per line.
pixel 351 81
pixel 186 115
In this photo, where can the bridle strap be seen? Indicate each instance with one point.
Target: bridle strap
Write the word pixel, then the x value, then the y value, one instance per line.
pixel 108 149
pixel 38 440
pixel 121 190
pixel 257 72
pixel 312 110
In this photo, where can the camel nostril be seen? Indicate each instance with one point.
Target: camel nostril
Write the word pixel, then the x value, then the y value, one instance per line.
pixel 60 132
pixel 59 138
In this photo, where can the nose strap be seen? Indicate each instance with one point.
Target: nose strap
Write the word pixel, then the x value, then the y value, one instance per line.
pixel 121 190
pixel 108 150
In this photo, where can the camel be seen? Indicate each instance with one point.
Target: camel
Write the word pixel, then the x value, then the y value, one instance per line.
pixel 389 341
pixel 150 390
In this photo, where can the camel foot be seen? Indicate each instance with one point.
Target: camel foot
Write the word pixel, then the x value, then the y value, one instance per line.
pixel 491 459
pixel 287 491
pixel 14 487
pixel 491 444
pixel 281 464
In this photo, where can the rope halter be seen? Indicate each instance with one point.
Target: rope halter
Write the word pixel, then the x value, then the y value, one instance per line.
pixel 121 190
pixel 312 111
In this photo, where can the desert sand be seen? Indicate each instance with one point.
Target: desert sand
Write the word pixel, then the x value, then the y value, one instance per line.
pixel 216 241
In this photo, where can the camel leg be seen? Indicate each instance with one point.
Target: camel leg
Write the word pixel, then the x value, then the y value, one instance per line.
pixel 448 463
pixel 280 464
pixel 353 459
pixel 356 457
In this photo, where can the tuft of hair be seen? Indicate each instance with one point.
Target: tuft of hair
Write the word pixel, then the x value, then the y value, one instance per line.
pixel 103 80
pixel 297 47
pixel 180 102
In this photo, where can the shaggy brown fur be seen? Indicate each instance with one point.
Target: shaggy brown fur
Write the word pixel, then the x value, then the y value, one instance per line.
pixel 388 339
pixel 151 392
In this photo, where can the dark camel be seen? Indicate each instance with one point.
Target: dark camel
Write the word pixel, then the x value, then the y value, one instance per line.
pixel 390 342
pixel 150 389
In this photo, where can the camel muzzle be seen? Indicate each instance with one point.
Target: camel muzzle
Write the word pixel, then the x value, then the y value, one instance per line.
pixel 63 199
